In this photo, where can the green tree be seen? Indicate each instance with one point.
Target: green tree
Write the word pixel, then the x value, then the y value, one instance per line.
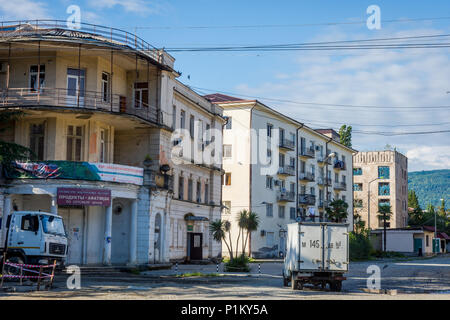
pixel 10 151
pixel 345 134
pixel 251 226
pixel 384 213
pixel 358 223
pixel 248 222
pixel 413 201
pixel 337 211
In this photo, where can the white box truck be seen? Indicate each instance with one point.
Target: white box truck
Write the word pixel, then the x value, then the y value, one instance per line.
pixel 316 253
pixel 32 237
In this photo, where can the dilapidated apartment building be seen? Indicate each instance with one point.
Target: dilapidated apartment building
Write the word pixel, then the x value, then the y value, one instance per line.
pixel 100 109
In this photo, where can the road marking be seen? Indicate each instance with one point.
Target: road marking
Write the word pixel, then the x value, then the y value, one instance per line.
pixel 423 264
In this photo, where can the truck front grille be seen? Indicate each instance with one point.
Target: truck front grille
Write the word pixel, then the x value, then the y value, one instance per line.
pixel 56 248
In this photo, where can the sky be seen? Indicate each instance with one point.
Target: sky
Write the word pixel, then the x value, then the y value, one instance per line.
pixel 409 77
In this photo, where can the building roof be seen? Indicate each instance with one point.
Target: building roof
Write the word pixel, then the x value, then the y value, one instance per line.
pixel 443 235
pixel 223 98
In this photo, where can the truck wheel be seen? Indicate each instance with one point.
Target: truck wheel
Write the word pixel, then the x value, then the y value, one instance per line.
pixel 285 281
pixel 10 270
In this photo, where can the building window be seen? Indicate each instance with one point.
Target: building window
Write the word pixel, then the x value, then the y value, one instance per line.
pixel 182 119
pixel 206 193
pixel 34 86
pixel 269 130
pixel 191 126
pixel 358 203
pixel 269 182
pixel 105 86
pixel 227 179
pixel 199 192
pixel 180 188
pixel 384 202
pixel 302 166
pixel 281 212
pixel 292 214
pixel 383 172
pixel 227 150
pixel 74 143
pixel 269 209
pixel 229 124
pixel 312 190
pixel 140 94
pixel 227 207
pixel 427 240
pixel 357 171
pixel 103 145
pixel 336 177
pixel 357 187
pixel 190 189
pixel 383 189
pixel 37 138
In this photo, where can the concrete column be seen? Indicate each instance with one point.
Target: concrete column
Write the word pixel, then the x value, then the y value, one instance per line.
pixel 133 232
pixel 107 238
pixel 53 205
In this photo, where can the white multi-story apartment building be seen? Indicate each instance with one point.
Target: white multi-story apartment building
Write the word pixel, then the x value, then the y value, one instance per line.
pixel 278 168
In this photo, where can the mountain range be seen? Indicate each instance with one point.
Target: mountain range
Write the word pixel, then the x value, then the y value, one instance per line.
pixel 430 186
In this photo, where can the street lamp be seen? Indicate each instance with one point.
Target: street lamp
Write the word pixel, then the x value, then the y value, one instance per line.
pixel 331 155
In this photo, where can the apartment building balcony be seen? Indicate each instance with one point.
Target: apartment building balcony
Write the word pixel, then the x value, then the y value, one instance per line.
pixel 324 181
pixel 307 153
pixel 324 204
pixel 306 176
pixel 77 100
pixel 285 196
pixel 286 144
pixel 339 165
pixel 307 199
pixel 286 170
pixel 340 186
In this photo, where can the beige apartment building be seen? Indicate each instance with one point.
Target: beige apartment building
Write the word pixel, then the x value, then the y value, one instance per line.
pixel 381 178
pixel 100 109
pixel 278 168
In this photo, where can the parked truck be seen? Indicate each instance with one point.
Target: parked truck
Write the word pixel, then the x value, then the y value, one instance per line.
pixel 32 237
pixel 316 253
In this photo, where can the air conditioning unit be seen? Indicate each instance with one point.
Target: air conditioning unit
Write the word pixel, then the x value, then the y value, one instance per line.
pixel 3 66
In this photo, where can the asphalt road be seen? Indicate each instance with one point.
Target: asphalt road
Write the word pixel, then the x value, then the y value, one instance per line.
pixel 413 279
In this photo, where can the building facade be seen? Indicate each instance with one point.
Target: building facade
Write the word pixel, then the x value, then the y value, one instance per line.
pixel 99 112
pixel 381 178
pixel 277 168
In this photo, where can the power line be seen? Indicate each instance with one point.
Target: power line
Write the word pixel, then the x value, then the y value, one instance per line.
pixel 321 104
pixel 265 26
pixel 399 133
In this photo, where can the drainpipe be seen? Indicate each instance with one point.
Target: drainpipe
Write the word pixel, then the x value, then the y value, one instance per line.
pixel 296 169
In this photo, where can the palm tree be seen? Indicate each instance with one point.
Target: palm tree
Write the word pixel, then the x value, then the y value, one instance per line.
pixel 385 214
pixel 242 220
pixel 219 229
pixel 337 212
pixel 252 225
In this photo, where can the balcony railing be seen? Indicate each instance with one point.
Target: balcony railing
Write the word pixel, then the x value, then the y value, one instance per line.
pixel 285 196
pixel 339 165
pixel 324 181
pixel 286 170
pixel 92 32
pixel 306 176
pixel 340 186
pixel 324 203
pixel 287 144
pixel 67 98
pixel 308 153
pixel 307 199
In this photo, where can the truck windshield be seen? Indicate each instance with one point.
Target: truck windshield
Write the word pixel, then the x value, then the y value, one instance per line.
pixel 52 225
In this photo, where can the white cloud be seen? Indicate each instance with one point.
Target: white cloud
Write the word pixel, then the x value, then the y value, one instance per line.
pixel 133 6
pixel 23 9
pixel 429 158
pixel 383 78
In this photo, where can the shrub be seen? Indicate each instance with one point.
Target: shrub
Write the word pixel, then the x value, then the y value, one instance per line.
pixel 359 246
pixel 239 264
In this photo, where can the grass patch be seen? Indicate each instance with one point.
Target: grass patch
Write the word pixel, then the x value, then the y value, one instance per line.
pixel 197 274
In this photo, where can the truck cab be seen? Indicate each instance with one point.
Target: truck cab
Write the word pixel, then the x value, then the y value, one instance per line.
pixel 34 237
